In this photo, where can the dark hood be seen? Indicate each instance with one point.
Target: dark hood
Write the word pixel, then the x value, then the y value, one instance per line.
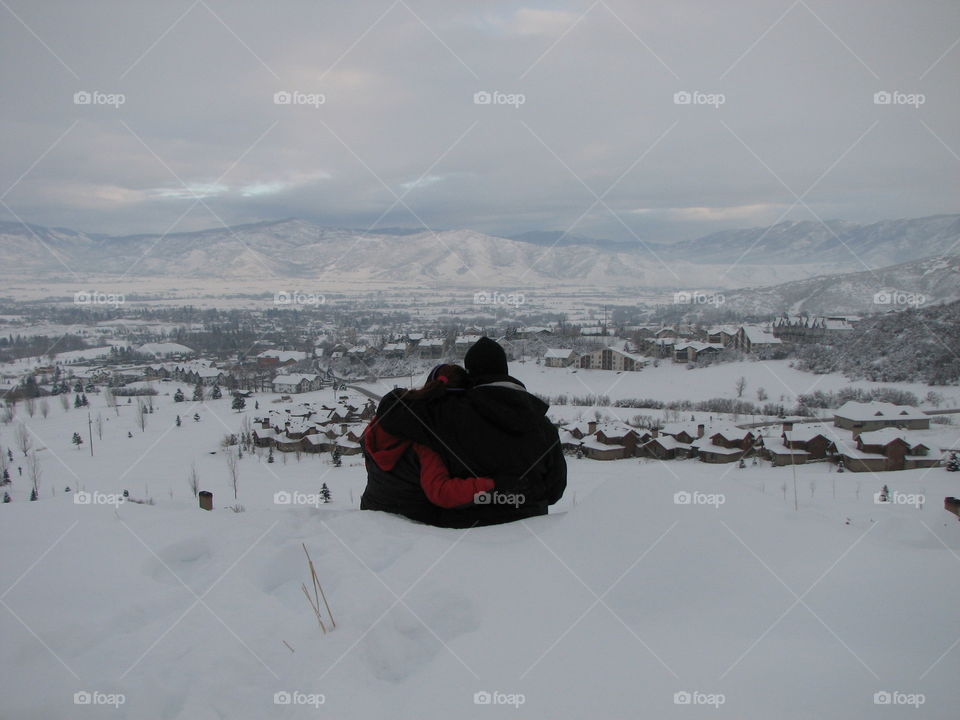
pixel 507 408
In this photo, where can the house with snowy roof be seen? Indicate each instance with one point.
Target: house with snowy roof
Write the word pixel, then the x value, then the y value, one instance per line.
pixel 867 416
pixel 885 450
pixel 296 383
pixel 559 357
pixel 751 338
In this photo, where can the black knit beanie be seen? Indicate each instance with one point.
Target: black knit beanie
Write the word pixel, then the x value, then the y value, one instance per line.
pixel 485 357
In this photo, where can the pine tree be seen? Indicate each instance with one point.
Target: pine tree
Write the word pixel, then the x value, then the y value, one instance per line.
pixel 270 456
pixel 83 400
pixel 5 478
pixel 198 392
pixel 77 402
pixel 953 464
pixel 6 497
pixel 216 394
pixel 337 462
pixel 33 495
pixel 178 421
pixel 325 493
pixel 239 403
pixel 178 395
pixel 196 417
pixel 78 387
pixel 77 440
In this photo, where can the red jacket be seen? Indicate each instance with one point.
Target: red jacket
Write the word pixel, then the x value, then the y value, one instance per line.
pixel 387 451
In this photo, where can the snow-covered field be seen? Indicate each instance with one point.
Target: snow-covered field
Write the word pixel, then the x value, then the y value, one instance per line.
pixel 673 381
pixel 608 608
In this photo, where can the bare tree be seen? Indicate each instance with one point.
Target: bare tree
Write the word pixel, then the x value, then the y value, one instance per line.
pixel 233 468
pixel 65 401
pixel 31 405
pixel 141 415
pixel 111 400
pixel 44 408
pixel 24 439
pixel 193 479
pixel 741 385
pixel 34 472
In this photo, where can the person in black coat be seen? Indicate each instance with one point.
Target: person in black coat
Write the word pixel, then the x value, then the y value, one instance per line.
pixel 494 429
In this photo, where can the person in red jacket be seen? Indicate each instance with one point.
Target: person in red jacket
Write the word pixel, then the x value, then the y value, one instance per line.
pixel 410 479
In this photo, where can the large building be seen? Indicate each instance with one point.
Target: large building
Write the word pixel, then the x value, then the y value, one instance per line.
pixel 610 359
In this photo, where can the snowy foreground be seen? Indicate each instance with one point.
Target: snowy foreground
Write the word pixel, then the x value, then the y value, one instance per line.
pixel 626 603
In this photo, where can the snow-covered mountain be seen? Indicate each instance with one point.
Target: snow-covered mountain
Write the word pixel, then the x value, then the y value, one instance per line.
pixel 848 244
pixel 300 249
pixel 925 282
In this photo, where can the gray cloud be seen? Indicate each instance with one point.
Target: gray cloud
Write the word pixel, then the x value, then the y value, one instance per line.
pixel 399 119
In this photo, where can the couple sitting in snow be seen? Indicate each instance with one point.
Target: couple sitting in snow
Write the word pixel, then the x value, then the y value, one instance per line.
pixel 472 447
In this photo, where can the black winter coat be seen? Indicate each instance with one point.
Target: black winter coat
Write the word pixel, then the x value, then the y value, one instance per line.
pixel 496 430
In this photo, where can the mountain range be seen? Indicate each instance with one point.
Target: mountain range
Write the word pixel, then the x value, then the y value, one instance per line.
pixel 293 248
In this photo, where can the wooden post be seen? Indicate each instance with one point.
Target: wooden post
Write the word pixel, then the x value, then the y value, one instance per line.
pixel 206 500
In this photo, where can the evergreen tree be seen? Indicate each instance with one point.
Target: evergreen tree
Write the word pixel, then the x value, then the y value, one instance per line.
pixel 5 478
pixel 178 421
pixel 77 402
pixel 953 464
pixel 78 387
pixel 77 440
pixel 178 396
pixel 33 495
pixel 270 456
pixel 83 400
pixel 337 462
pixel 6 497
pixel 239 403
pixel 216 394
pixel 325 493
pixel 198 392
pixel 196 417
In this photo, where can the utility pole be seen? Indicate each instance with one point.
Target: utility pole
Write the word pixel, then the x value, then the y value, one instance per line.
pixel 90 432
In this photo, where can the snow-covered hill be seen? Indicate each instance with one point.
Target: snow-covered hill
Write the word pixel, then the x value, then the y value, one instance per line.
pixel 920 283
pixel 623 604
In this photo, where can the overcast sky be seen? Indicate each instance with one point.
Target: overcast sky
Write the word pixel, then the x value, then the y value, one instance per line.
pixel 599 146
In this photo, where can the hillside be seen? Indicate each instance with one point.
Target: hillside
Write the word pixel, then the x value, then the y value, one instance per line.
pixel 186 613
pixel 933 280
